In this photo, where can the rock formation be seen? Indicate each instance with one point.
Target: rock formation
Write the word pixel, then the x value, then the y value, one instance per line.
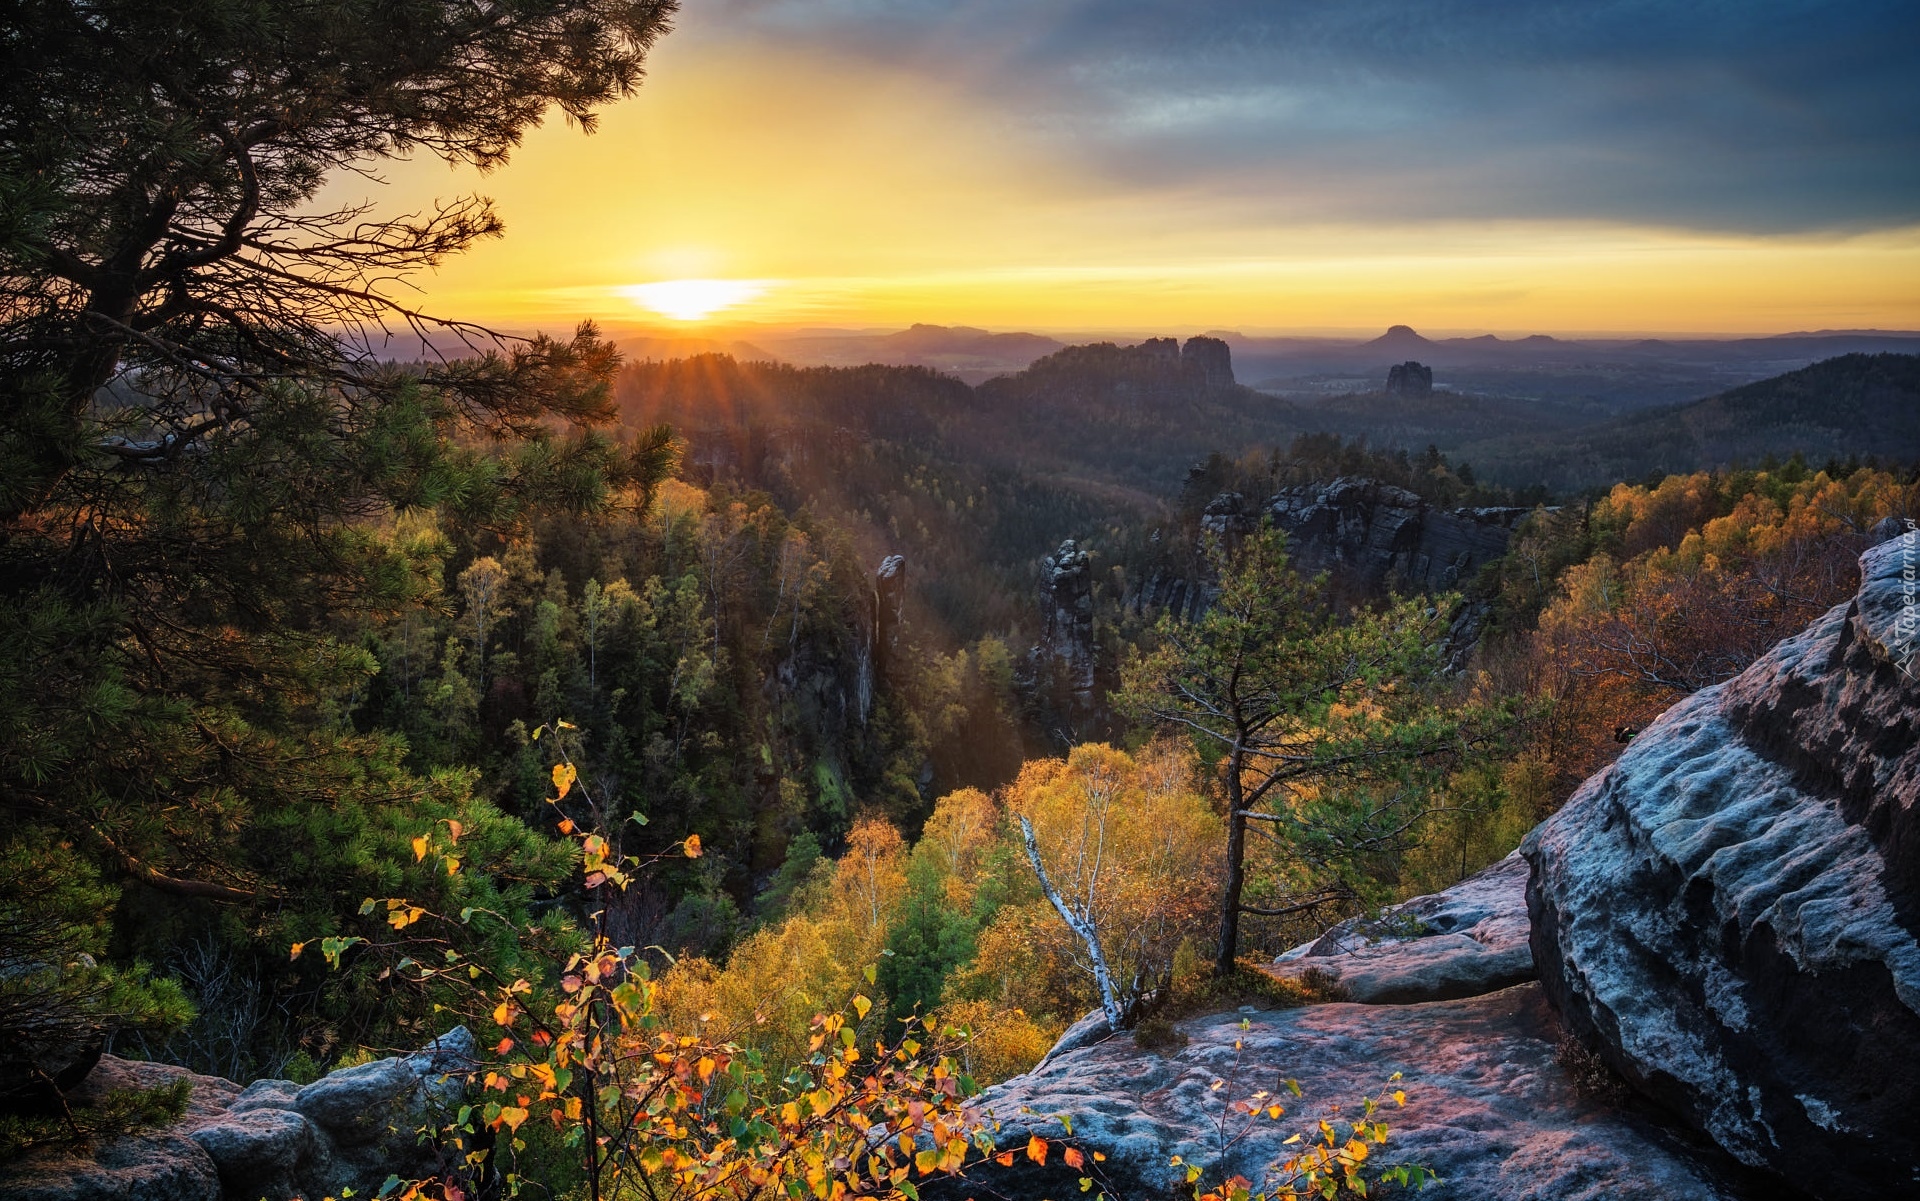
pixel 1490 1107
pixel 1729 912
pixel 1409 379
pixel 1470 940
pixel 889 604
pixel 1886 530
pixel 1170 592
pixel 1228 517
pixel 1497 1103
pixel 882 636
pixel 273 1139
pixel 1371 535
pixel 1212 358
pixel 1376 532
pixel 1065 652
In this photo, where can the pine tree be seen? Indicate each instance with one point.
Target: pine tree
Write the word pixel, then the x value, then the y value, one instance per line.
pixel 210 466
pixel 1324 728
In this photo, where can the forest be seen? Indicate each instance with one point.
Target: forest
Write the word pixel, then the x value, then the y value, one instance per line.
pixel 346 696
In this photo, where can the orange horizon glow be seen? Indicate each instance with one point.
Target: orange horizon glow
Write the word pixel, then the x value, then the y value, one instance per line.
pixel 754 190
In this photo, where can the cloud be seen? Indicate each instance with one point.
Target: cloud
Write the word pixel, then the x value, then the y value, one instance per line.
pixel 1754 117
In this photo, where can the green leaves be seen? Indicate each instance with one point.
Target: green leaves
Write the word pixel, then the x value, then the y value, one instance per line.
pixel 334 946
pixel 1332 730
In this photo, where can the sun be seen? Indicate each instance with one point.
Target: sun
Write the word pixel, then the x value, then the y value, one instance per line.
pixel 692 299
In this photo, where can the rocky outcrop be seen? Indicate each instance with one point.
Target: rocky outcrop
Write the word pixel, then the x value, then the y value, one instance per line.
pixel 1169 592
pixel 1372 535
pixel 1729 913
pixel 882 632
pixel 1377 533
pixel 1227 517
pixel 273 1139
pixel 1409 379
pixel 889 605
pixel 1211 358
pixel 1064 655
pixel 1490 1107
pixel 1887 529
pixel 890 589
pixel 1467 941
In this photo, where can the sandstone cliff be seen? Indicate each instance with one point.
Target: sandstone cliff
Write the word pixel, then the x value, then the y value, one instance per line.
pixel 1495 1105
pixel 1728 916
pixel 1729 913
pixel 1381 534
pixel 1369 535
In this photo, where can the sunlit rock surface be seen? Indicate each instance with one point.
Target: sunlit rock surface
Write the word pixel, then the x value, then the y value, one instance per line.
pixel 1729 912
pixel 1490 1107
pixel 1469 940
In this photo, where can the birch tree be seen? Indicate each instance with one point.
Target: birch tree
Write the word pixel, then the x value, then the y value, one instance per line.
pixel 1125 851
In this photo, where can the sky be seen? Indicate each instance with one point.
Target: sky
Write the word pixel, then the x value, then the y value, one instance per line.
pixel 1266 166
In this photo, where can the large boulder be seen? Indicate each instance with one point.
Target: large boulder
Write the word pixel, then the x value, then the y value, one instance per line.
pixel 1490 1107
pixel 272 1140
pixel 165 1165
pixel 265 1153
pixel 1466 941
pixel 1728 913
pixel 158 1167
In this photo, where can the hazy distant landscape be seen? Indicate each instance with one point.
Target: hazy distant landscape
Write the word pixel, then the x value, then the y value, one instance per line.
pixel 1553 412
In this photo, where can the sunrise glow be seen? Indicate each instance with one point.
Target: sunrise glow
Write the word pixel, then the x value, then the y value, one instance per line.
pixel 693 299
pixel 893 184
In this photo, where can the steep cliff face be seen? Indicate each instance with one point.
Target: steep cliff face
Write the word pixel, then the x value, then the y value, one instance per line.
pixel 1409 379
pixel 1369 535
pixel 1378 533
pixel 1064 656
pixel 1729 913
pixel 1212 358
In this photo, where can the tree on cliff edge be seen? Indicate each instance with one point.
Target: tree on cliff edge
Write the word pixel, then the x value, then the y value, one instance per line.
pixel 158 164
pixel 203 447
pixel 1322 726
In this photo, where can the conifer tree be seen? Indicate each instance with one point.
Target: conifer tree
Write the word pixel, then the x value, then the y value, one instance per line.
pixel 1324 727
pixel 210 460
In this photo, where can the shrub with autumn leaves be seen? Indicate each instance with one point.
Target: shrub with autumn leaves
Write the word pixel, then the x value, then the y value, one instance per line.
pixel 637 1107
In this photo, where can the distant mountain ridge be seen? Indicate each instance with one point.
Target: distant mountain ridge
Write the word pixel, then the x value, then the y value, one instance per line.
pixel 1620 374
pixel 962 351
pixel 1106 416
pixel 1854 405
pixel 966 340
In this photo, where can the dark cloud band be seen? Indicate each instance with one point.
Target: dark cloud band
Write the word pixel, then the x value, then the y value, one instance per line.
pixel 1757 117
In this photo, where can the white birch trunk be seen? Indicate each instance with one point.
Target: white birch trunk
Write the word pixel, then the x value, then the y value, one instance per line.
pixel 1082 927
